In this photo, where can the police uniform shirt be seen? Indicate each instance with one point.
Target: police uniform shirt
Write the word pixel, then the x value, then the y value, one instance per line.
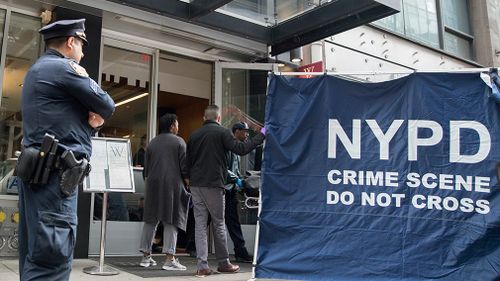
pixel 57 97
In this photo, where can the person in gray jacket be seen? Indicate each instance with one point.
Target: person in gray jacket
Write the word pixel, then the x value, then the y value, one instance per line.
pixel 166 195
pixel 207 153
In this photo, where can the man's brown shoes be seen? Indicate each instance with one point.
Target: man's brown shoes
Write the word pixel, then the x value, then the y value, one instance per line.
pixel 204 272
pixel 228 268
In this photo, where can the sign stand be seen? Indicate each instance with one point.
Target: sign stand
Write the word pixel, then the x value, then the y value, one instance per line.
pixel 111 172
pixel 101 269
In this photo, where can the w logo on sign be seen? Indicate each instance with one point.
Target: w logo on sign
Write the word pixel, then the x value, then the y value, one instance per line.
pixel 117 151
pixel 313 67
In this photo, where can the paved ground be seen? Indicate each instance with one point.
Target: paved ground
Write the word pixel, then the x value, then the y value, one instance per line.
pixel 9 271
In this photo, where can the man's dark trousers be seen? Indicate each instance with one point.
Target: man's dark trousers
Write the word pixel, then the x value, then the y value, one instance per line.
pixel 233 223
pixel 47 231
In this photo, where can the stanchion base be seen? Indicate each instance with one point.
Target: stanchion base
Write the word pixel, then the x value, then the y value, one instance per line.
pixel 95 270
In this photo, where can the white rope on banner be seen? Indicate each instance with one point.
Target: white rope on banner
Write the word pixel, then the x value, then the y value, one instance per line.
pixel 461 70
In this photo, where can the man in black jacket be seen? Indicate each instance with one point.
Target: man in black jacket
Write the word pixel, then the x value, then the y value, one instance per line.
pixel 207 153
pixel 233 184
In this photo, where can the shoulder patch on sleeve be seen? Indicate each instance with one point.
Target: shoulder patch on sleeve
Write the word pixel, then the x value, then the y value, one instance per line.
pixel 78 69
pixel 94 86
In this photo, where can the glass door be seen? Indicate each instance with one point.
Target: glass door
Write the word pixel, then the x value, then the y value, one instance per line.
pixel 127 74
pixel 22 46
pixel 240 91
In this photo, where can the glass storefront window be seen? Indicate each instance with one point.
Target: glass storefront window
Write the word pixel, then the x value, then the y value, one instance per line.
pixel 421 21
pixel 395 22
pixel 457 27
pixel 457 45
pixel 269 12
pixel 418 20
pixel 244 99
pixel 125 76
pixel 23 48
pixel 455 15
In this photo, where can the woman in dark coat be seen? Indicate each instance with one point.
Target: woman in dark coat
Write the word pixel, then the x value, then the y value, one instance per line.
pixel 166 195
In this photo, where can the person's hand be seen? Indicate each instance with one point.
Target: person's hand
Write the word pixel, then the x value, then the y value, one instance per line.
pixel 256 128
pixel 95 120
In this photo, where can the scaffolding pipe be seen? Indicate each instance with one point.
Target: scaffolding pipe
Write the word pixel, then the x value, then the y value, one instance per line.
pixel 463 70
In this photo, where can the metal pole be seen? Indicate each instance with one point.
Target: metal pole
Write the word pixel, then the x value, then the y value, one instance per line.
pixel 103 230
pixel 462 70
pixel 259 207
pixel 101 269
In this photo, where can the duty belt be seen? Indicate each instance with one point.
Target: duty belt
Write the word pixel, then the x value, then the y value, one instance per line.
pixel 35 165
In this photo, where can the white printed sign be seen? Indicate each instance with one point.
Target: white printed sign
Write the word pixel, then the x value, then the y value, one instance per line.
pixel 111 166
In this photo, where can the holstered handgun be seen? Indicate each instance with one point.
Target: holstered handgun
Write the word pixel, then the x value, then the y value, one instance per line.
pixel 74 172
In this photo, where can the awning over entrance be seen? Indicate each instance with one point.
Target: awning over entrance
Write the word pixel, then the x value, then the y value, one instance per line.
pixel 282 24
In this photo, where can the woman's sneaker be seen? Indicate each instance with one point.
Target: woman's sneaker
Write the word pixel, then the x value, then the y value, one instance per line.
pixel 173 265
pixel 147 261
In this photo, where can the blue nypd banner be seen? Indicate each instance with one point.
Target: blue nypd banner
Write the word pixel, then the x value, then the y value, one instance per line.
pixel 381 181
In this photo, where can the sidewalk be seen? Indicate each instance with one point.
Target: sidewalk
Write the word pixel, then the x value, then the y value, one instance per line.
pixel 9 271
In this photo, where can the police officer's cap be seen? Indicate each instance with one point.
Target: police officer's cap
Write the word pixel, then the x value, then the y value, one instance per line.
pixel 65 28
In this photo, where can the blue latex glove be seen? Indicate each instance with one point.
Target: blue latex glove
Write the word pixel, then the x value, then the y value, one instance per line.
pixel 239 184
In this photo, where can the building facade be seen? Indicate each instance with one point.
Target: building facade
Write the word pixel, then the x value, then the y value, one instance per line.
pixel 178 58
pixel 425 35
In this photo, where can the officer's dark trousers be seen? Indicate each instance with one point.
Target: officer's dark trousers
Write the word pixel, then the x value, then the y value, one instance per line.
pixel 47 231
pixel 233 223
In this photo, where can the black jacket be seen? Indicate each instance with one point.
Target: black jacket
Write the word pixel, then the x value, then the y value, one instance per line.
pixel 208 150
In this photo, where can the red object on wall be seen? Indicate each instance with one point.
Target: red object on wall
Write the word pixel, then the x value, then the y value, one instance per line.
pixel 313 67
pixel 145 57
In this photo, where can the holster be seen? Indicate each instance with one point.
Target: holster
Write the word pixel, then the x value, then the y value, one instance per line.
pixel 35 164
pixel 74 172
pixel 27 163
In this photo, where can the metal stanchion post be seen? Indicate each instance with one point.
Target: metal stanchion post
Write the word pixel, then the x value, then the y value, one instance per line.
pixel 101 269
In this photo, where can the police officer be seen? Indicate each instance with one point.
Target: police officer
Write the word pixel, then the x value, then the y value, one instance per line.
pixel 59 99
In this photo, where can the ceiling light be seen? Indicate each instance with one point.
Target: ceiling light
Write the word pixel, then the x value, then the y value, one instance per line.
pixel 296 55
pixel 132 99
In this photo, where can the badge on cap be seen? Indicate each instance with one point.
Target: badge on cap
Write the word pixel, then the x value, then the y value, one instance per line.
pixel 82 36
pixel 78 69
